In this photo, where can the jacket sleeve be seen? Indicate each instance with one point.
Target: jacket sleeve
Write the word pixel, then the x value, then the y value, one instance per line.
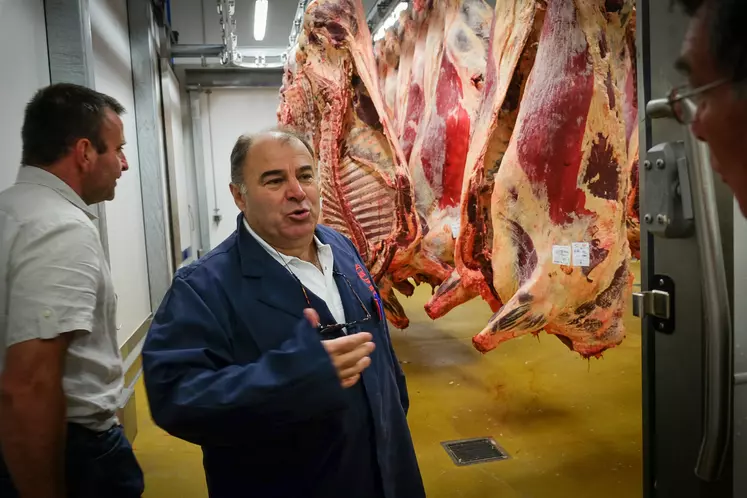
pixel 198 393
pixel 399 374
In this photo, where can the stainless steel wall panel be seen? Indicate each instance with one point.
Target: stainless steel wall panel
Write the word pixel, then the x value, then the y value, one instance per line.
pixel 71 61
pixel 153 172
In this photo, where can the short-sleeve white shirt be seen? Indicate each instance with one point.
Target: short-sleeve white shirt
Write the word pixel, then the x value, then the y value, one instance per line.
pixel 54 278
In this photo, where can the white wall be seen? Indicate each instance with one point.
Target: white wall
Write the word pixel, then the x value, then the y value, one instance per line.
pixel 124 215
pixel 23 56
pixel 178 170
pixel 226 114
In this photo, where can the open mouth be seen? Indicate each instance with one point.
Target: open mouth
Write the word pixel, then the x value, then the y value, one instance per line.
pixel 300 214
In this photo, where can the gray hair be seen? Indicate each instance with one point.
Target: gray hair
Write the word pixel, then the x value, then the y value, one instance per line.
pixel 726 21
pixel 240 152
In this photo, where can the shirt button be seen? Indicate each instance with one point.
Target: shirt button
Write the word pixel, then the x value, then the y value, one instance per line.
pixel 47 314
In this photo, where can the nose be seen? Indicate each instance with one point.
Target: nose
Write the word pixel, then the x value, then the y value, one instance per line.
pixel 295 191
pixel 697 124
pixel 123 162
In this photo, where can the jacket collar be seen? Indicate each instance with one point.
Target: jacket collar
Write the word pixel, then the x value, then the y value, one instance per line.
pixel 38 176
pixel 274 281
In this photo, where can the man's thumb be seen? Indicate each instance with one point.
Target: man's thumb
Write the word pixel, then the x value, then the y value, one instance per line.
pixel 312 316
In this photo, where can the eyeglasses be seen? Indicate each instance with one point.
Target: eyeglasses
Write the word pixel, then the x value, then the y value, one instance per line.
pixel 324 329
pixel 684 100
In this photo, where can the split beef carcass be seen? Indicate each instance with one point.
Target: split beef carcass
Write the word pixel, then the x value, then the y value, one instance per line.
pixel 386 53
pixel 426 60
pixel 297 108
pixel 621 46
pixel 366 187
pixel 452 96
pixel 633 217
pixel 560 251
pixel 630 109
pixel 511 52
pixel 407 32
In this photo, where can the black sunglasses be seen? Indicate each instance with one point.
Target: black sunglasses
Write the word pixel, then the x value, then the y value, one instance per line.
pixel 324 329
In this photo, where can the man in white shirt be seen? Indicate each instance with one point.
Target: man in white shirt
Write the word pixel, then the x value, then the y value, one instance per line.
pixel 60 369
pixel 272 352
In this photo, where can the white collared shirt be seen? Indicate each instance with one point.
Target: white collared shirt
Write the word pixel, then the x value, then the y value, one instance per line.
pixel 322 283
pixel 54 279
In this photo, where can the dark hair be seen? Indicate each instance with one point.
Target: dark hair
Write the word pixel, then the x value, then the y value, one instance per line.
pixel 58 116
pixel 244 143
pixel 726 21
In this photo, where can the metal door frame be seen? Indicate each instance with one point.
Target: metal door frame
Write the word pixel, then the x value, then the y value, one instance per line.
pixel 674 376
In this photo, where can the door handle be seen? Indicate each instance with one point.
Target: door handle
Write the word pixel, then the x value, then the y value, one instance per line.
pixel 717 399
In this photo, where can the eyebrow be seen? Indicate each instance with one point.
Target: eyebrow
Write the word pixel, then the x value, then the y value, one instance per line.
pixel 268 174
pixel 281 172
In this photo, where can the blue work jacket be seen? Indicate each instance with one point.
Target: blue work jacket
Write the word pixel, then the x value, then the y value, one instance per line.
pixel 231 364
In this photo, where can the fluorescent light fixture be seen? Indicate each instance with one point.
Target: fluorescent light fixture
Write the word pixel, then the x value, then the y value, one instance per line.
pixel 260 19
pixel 390 21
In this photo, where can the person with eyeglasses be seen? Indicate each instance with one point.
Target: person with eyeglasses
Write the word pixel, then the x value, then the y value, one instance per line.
pixel 272 351
pixel 714 103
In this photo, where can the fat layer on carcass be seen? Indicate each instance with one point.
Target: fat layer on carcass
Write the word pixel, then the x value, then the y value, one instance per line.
pixel 632 220
pixel 627 82
pixel 366 186
pixel 511 53
pixel 560 251
pixel 426 58
pixel 452 99
pixel 387 54
pixel 407 31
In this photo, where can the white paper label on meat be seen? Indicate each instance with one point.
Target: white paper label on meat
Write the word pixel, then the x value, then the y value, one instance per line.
pixel 455 225
pixel 581 255
pixel 561 255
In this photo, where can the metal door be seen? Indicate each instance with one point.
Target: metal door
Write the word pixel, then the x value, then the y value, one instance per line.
pixel 687 356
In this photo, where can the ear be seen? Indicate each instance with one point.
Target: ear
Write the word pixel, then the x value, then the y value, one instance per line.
pixel 238 197
pixel 85 154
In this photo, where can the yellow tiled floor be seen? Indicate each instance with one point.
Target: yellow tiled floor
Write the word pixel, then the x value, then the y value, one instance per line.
pixel 571 426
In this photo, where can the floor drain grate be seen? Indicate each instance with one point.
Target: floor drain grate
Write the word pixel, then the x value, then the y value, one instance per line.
pixel 472 451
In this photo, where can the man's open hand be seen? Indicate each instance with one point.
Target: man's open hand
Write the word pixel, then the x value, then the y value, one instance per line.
pixel 349 354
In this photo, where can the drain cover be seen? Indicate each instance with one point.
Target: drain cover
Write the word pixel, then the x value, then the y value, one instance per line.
pixel 472 451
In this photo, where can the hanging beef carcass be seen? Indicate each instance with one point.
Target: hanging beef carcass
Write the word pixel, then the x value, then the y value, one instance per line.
pixel 630 102
pixel 633 221
pixel 452 96
pixel 366 187
pixel 426 60
pixel 621 46
pixel 407 32
pixel 511 53
pixel 297 107
pixel 560 251
pixel 386 53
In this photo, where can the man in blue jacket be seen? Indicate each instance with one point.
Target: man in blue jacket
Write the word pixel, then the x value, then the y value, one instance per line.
pixel 272 352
